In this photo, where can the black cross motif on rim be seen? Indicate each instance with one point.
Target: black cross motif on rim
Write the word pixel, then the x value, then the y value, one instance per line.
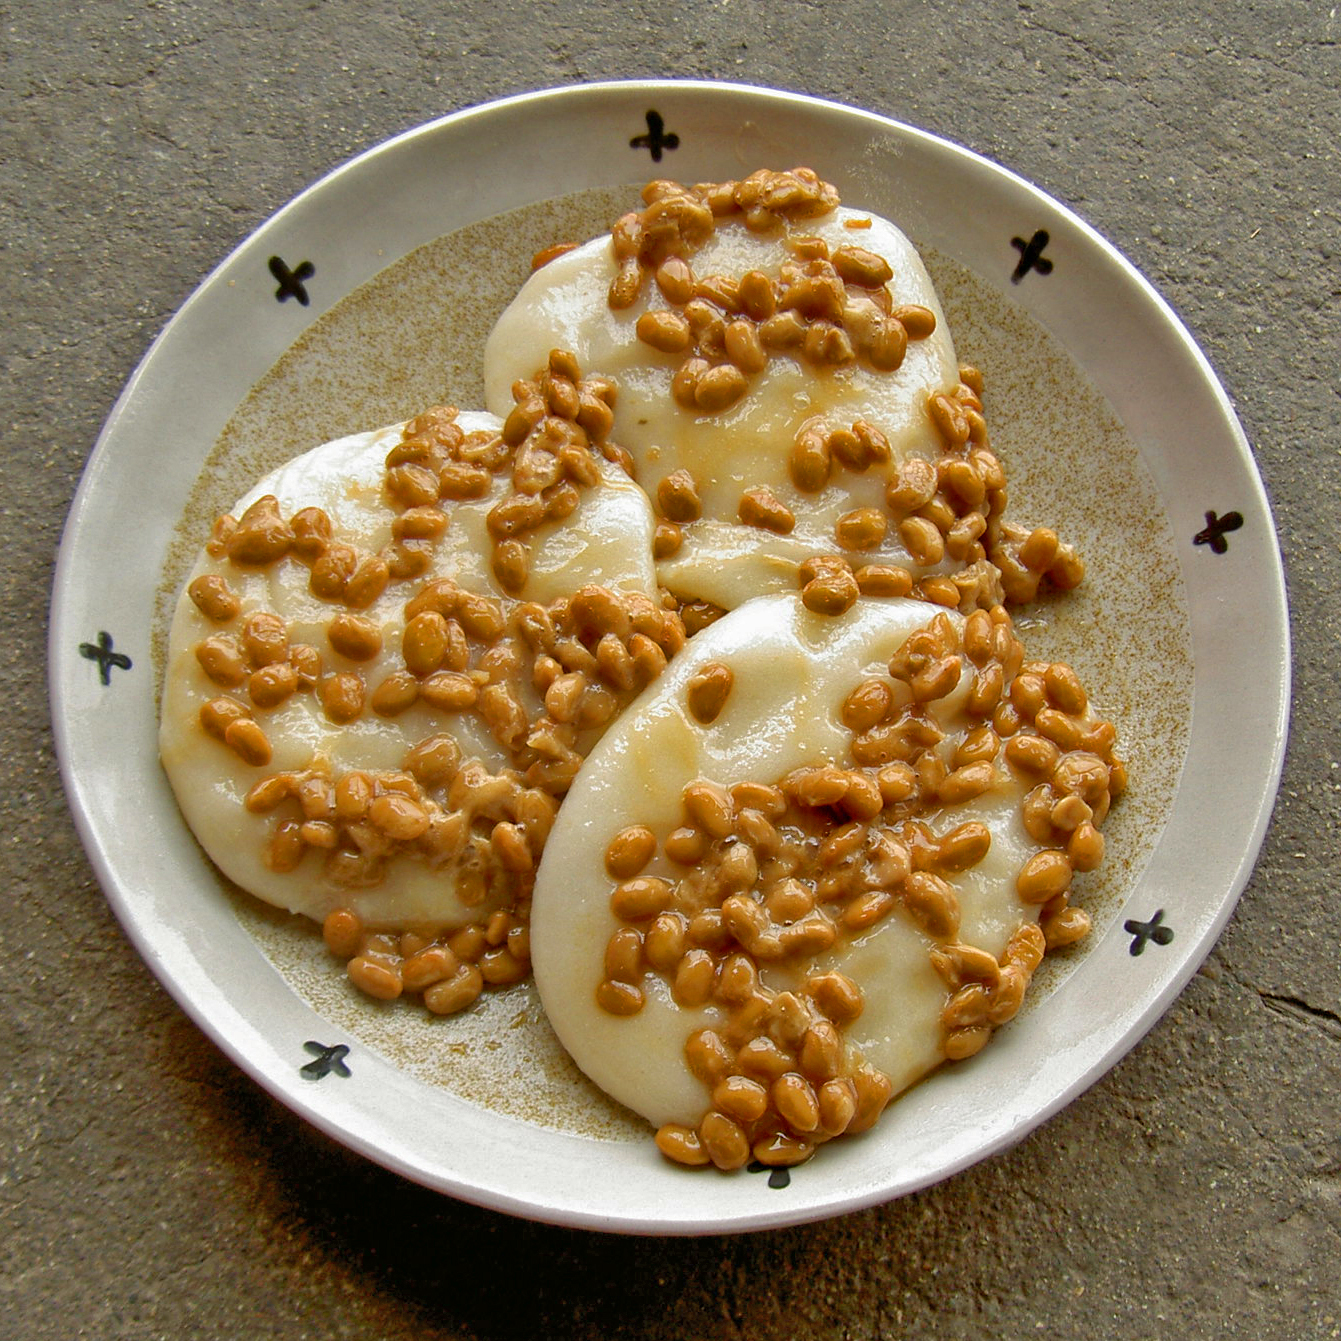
pixel 327 1060
pixel 1031 255
pixel 656 138
pixel 777 1177
pixel 102 653
pixel 291 281
pixel 1141 932
pixel 1216 530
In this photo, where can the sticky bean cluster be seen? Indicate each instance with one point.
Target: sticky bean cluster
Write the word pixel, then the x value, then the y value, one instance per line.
pixel 830 308
pixel 767 874
pixel 1024 558
pixel 556 435
pixel 985 992
pixel 830 585
pixel 417 480
pixel 1069 756
pixel 776 875
pixel 488 828
pixel 446 970
pixel 586 656
pixel 591 653
pixel 781 1078
pixel 677 220
pixel 949 510
pixel 257 663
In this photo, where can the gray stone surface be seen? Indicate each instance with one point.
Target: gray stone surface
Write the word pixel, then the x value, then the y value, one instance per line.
pixel 148 1189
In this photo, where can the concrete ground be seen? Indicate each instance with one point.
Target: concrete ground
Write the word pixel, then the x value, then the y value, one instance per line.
pixel 149 1189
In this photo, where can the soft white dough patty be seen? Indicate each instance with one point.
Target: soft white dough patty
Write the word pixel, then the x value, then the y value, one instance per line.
pixel 606 541
pixel 792 671
pixel 564 304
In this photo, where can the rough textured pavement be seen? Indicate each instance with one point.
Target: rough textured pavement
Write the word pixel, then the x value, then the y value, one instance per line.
pixel 149 1189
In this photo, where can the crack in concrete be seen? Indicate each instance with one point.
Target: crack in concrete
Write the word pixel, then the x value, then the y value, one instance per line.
pixel 1314 1017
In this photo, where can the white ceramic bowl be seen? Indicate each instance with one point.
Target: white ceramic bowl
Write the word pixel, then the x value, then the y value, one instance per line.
pixel 478 163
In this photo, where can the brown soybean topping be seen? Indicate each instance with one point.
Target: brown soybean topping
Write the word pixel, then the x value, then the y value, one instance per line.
pixel 744 348
pixel 719 388
pixel 434 761
pixel 741 1098
pixel 629 851
pixel 265 638
pixel 268 793
pixel 456 993
pixel 677 497
pixel 395 694
pixel 922 541
pixel 914 487
pixel 710 807
pixel 686 845
pixel 709 690
pixel 1065 926
pixel 666 942
pixel 272 685
pixel 342 696
pixel 863 528
pixel 918 321
pixel 214 598
pixel 827 308
pixel 858 266
pixel 461 653
pixel 331 570
pixel 1085 850
pixel 667 540
pixel 343 932
pixel 319 833
pixel 261 535
pixel 354 636
pixel 306 663
pixel 378 980
pixel 640 898
pixel 246 739
pixel 883 580
pixel 367 582
pixel 724 1141
pixel 810 463
pixel 1043 876
pixel 682 1145
pixel 787 871
pixel 666 331
pixel 222 660
pixel 694 977
pixel 219 713
pixel 425 642
pixel 675 279
pixel 832 592
pixel 286 849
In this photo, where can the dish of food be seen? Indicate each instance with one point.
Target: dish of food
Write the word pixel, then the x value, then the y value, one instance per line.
pixel 475 1096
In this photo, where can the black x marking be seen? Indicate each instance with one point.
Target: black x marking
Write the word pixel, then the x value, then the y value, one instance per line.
pixel 777 1177
pixel 102 653
pixel 291 281
pixel 327 1060
pixel 1141 932
pixel 1031 255
pixel 1216 530
pixel 656 138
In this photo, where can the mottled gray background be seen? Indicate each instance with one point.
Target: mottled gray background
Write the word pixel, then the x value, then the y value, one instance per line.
pixel 149 1189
